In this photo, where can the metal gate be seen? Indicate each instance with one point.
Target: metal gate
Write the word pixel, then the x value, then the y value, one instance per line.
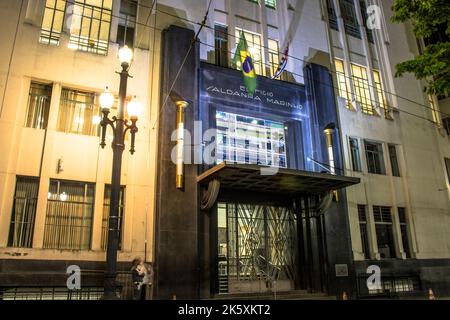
pixel 257 247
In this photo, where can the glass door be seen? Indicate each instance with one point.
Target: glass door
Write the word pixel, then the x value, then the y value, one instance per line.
pixel 257 247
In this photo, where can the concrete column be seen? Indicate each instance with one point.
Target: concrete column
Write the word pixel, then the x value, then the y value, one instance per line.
pixel 369 59
pixel 97 222
pixel 264 37
pixel 371 230
pixel 396 233
pixel 46 170
pixel 11 125
pixel 231 17
pixel 346 51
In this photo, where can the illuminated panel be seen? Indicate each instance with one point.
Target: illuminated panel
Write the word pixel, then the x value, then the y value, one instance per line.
pixel 250 140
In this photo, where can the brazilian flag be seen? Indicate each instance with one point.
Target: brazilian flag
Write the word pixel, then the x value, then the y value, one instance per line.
pixel 243 59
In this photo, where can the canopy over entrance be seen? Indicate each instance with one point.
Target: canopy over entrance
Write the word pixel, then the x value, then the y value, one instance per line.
pixel 284 181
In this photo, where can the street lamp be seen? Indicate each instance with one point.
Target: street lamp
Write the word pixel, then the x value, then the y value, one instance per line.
pixel 120 126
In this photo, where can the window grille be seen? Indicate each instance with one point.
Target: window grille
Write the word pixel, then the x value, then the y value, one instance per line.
pixel 38 106
pixel 254 47
pixel 89 30
pixel 374 157
pixel 70 208
pixel 78 113
pixel 52 22
pixel 23 212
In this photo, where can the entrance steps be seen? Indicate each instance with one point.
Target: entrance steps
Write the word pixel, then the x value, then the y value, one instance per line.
pixel 284 295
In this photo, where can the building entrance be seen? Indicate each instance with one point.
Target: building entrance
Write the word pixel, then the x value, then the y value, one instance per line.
pixel 257 248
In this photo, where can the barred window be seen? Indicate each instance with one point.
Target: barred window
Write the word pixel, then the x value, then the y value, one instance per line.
pixel 355 155
pixel 221 45
pixel 361 85
pixel 447 166
pixel 369 32
pixel 78 113
pixel 89 31
pixel 380 91
pixel 127 23
pixel 404 231
pixel 70 209
pixel 23 212
pixel 105 219
pixel 51 293
pixel 374 157
pixel 394 161
pixel 350 20
pixel 255 48
pixel 342 80
pixel 384 230
pixel 38 105
pixel 52 22
pixel 269 3
pixel 274 56
pixel 332 18
pixel 363 230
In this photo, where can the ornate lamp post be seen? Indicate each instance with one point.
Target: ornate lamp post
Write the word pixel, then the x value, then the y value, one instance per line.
pixel 120 126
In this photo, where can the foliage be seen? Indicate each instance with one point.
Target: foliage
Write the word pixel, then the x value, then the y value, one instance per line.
pixel 433 64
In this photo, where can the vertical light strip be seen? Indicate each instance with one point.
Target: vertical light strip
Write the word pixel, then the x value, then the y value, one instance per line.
pixel 181 105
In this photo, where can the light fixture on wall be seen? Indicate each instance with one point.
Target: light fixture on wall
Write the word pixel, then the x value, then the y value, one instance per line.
pixel 329 131
pixel 181 105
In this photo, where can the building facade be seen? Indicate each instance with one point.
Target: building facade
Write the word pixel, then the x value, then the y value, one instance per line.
pixel 361 157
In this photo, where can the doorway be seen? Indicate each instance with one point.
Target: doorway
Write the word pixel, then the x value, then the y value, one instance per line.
pixel 257 248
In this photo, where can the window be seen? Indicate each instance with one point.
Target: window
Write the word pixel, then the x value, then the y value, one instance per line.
pixel 23 212
pixel 369 32
pixel 385 236
pixel 52 22
pixel 274 56
pixel 434 110
pixel 221 45
pixel 446 124
pixel 394 161
pixel 332 18
pixel 374 155
pixel 38 106
pixel 343 84
pixel 380 92
pixel 363 230
pixel 255 48
pixel 68 222
pixel 78 113
pixel 89 30
pixel 361 85
pixel 51 293
pixel 105 220
pixel 250 140
pixel 356 158
pixel 350 20
pixel 404 231
pixel 447 165
pixel 269 3
pixel 127 23
pixel 397 284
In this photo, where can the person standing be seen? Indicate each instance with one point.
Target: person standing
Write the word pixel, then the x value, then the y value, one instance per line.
pixel 138 272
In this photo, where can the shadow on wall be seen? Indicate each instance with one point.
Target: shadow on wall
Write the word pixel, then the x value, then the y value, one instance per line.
pixel 172 16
